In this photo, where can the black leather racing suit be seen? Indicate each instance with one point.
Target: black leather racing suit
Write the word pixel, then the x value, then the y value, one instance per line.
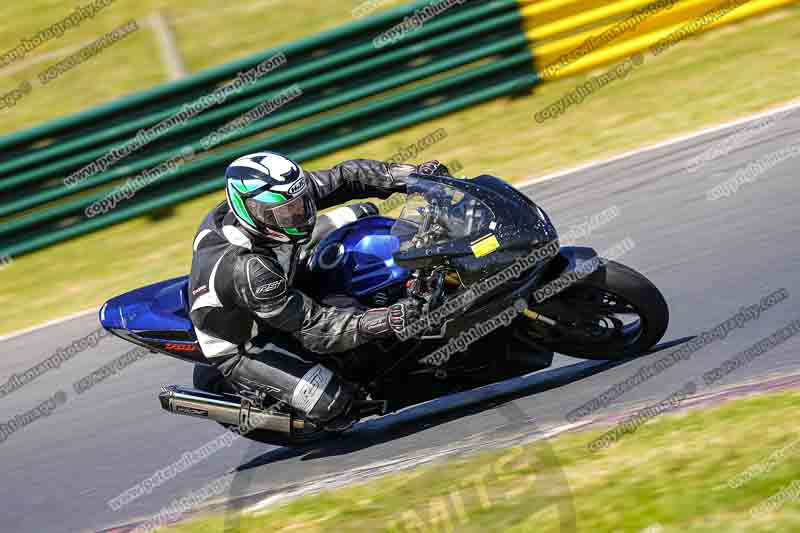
pixel 254 325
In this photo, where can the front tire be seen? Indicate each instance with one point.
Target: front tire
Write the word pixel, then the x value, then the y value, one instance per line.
pixel 593 329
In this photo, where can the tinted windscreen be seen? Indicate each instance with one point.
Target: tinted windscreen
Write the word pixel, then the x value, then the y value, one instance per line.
pixel 435 213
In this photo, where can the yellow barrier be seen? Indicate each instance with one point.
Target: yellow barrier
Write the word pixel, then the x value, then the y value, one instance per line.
pixel 538 13
pixel 549 53
pixel 572 36
pixel 600 14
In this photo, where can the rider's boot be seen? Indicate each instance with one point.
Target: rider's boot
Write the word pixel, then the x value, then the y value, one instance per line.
pixel 312 390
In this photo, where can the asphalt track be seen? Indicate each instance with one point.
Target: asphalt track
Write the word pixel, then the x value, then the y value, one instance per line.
pixel 709 258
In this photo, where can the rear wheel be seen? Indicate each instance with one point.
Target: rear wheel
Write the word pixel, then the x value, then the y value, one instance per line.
pixel 616 316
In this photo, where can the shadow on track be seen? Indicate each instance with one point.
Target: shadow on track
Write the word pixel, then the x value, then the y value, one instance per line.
pixel 430 414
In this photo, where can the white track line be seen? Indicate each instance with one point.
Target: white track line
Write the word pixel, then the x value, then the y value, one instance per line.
pixel 721 127
pixel 559 174
pixel 49 323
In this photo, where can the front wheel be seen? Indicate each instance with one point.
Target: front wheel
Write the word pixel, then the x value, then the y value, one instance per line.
pixel 617 315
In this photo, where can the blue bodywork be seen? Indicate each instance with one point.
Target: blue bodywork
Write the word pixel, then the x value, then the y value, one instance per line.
pixel 356 261
pixel 158 315
pixel 162 306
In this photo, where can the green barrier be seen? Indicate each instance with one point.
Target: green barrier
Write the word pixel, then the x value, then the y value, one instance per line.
pixel 443 32
pixel 351 92
pixel 208 77
pixel 516 85
pixel 325 104
pixel 350 116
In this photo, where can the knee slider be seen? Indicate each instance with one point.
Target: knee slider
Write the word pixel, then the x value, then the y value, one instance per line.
pixel 321 395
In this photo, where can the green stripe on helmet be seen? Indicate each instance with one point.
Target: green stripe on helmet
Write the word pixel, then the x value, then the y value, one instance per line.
pixel 238 206
pixel 295 231
pixel 271 197
pixel 247 185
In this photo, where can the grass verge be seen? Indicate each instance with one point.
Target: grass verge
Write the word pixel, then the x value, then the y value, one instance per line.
pixel 673 475
pixel 718 76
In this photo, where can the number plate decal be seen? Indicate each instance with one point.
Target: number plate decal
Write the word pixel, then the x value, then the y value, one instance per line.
pixel 485 245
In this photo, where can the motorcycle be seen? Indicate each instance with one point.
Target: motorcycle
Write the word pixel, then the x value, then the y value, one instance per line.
pixel 498 294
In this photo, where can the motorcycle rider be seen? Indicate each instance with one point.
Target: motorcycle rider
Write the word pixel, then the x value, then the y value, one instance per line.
pixel 252 323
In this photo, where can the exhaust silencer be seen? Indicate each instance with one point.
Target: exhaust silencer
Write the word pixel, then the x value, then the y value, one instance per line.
pixel 230 410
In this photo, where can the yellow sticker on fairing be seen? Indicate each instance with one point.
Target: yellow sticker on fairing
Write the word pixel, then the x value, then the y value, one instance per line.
pixel 485 245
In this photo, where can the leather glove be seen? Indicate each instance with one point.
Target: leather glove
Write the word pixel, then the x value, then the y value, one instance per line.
pixel 399 173
pixel 387 321
pixel 404 313
pixel 434 167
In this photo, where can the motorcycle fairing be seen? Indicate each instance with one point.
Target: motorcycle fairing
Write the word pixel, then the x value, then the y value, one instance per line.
pixel 156 317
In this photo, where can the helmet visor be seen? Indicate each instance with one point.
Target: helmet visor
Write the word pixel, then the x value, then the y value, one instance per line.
pixel 298 213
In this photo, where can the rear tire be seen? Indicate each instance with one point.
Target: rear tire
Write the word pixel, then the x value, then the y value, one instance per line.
pixel 637 292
